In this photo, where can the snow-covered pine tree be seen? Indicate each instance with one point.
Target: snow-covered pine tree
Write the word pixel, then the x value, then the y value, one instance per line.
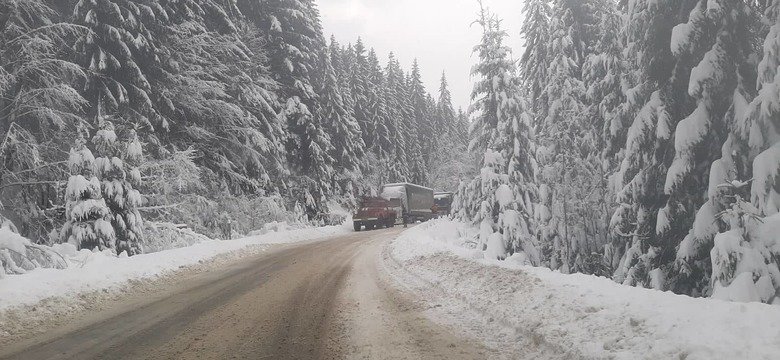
pixel 604 74
pixel 397 113
pixel 88 218
pixel 376 110
pixel 638 83
pixel 296 51
pixel 534 61
pixel 359 75
pixel 114 50
pixel 660 95
pixel 221 99
pixel 39 108
pixel 445 125
pixel 450 160
pixel 463 125
pixel 117 169
pixel 744 257
pixel 565 144
pixel 413 109
pixel 720 84
pixel 347 148
pixel 500 199
pixel 422 115
pixel 343 60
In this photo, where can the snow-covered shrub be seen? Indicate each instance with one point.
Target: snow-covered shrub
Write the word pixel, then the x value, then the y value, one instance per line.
pixel 19 255
pixel 166 236
pixel 745 264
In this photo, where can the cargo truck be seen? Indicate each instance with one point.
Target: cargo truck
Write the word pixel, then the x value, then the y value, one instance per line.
pixel 416 202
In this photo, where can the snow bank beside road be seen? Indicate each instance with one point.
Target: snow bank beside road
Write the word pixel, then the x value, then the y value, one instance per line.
pixel 91 271
pixel 580 315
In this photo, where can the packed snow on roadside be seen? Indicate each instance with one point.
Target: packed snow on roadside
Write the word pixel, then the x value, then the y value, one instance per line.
pixel 580 315
pixel 88 271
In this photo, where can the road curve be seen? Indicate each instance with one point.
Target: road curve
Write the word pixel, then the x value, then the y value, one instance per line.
pixel 323 300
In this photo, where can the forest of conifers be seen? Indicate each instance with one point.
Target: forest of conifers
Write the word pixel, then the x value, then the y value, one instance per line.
pixel 633 139
pixel 195 111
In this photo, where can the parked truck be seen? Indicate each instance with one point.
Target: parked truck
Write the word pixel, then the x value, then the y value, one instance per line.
pixel 374 213
pixel 415 201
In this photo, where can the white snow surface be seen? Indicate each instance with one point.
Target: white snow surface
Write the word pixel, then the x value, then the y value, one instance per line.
pixel 92 271
pixel 579 315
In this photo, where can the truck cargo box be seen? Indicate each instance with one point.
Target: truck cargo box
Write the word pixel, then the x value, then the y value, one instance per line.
pixel 416 201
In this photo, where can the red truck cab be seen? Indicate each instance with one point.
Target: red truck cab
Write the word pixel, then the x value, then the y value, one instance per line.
pixel 374 213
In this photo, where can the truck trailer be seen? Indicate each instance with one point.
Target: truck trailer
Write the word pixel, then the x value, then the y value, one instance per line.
pixel 415 201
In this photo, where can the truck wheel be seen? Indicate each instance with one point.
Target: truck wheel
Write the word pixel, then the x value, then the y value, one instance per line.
pixel 356 226
pixel 391 224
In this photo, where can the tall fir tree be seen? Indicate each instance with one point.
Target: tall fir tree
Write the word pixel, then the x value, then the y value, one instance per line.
pixel 500 199
pixel 533 62
pixel 661 101
pixel 397 115
pixel 347 148
pixel 359 75
pixel 719 35
pixel 743 256
pixel 420 120
pixel 296 50
pixel 377 110
pixel 564 139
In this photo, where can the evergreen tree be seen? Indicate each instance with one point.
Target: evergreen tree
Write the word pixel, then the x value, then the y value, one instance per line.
pixel 741 255
pixel 117 169
pixel 377 110
pixel 296 50
pixel 359 75
pixel 88 218
pixel 445 124
pixel 397 115
pixel 500 199
pixel 662 102
pixel 342 128
pixel 534 61
pixel 40 109
pixel 604 74
pixel 566 142
pixel 420 121
pixel 719 84
pixel 116 48
pixel 216 70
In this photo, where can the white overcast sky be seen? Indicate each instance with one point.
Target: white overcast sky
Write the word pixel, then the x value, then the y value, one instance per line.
pixel 436 32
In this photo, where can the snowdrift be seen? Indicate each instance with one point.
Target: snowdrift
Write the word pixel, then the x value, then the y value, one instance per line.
pixel 88 271
pixel 580 315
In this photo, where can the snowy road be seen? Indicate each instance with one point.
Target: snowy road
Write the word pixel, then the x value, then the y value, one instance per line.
pixel 320 300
